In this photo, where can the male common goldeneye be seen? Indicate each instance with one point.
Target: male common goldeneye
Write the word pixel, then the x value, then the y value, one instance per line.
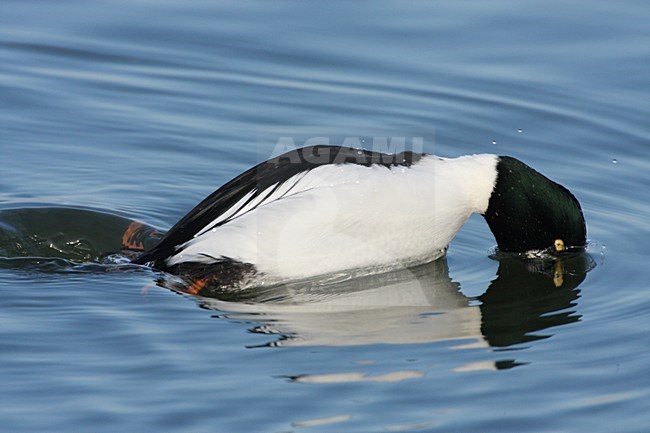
pixel 325 209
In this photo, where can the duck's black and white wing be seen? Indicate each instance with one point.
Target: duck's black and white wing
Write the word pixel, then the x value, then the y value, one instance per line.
pixel 277 179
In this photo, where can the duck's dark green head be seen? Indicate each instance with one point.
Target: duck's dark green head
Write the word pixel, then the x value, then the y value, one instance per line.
pixel 527 211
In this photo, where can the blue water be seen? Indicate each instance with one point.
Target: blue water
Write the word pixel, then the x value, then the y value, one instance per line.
pixel 140 109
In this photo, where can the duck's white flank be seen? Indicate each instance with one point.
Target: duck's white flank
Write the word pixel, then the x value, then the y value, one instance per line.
pixel 348 216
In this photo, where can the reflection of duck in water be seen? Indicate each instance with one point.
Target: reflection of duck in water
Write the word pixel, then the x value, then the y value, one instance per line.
pixel 528 296
pixel 325 209
pixel 415 305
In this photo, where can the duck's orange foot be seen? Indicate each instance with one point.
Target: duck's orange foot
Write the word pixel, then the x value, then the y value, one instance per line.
pixel 140 237
pixel 130 238
pixel 196 286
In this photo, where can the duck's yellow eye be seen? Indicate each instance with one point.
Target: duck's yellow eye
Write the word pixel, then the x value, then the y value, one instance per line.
pixel 559 245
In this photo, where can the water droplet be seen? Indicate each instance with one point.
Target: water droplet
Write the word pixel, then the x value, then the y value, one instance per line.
pixel 614 161
pixel 520 130
pixel 494 142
